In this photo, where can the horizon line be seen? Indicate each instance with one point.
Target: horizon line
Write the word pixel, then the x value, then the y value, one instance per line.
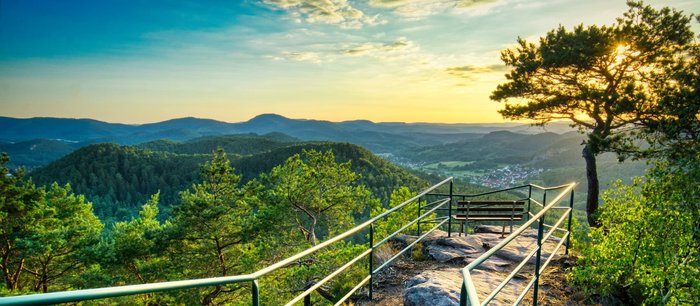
pixel 283 116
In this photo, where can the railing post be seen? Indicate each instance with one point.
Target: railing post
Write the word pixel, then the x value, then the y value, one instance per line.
pixel 571 213
pixel 307 300
pixel 419 208
pixel 540 228
pixel 544 202
pixel 255 293
pixel 463 300
pixel 449 213
pixel 371 258
pixel 529 196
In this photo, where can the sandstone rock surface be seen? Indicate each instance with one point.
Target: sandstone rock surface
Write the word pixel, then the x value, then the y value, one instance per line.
pixel 442 287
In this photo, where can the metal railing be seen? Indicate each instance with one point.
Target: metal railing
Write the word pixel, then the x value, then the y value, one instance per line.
pixel 469 295
pixel 252 278
pixel 428 210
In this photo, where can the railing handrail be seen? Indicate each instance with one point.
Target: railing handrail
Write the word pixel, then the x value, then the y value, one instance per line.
pixel 469 294
pixel 127 290
pixel 515 234
pixel 108 292
pixel 472 195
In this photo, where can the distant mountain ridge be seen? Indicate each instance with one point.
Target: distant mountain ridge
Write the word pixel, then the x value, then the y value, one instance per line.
pixel 65 135
pixel 90 130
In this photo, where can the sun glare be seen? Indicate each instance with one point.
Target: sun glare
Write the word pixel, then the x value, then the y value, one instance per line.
pixel 620 53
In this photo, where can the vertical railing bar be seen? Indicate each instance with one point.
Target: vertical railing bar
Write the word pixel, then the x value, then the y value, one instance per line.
pixel 522 295
pixel 568 227
pixel 449 213
pixel 463 295
pixel 419 208
pixel 529 196
pixel 544 204
pixel 371 259
pixel 551 255
pixel 255 290
pixel 540 228
pixel 470 297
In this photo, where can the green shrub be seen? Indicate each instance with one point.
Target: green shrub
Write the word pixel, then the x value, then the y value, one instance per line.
pixel 646 251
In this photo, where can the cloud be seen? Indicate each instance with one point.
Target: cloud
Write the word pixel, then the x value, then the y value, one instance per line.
pixel 338 12
pixel 400 49
pixel 312 57
pixel 470 72
pixel 377 49
pixel 423 8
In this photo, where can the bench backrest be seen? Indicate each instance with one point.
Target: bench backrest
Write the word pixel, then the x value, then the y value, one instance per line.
pixel 496 210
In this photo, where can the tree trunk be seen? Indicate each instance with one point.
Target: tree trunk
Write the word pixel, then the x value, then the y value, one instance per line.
pixel 593 186
pixel 209 297
pixel 312 234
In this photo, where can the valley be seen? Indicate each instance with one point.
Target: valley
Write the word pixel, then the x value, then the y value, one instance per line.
pixel 118 167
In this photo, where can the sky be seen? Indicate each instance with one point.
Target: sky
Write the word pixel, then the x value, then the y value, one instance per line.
pixel 381 60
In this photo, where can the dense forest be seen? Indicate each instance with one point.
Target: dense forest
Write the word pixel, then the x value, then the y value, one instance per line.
pixel 218 223
pixel 118 179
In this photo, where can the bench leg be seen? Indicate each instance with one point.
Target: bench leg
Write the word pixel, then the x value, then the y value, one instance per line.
pixel 503 231
pixel 511 226
pixel 461 229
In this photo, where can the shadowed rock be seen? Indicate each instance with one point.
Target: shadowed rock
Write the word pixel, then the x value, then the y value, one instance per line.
pixel 442 287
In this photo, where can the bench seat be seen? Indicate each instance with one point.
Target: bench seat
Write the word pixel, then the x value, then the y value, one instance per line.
pixel 489 210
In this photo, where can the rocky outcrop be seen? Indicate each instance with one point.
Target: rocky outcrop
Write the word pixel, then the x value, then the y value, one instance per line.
pixel 438 288
pixel 442 287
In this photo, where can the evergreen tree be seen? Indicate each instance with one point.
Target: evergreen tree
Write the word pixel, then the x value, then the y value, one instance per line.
pixel 212 226
pixel 19 200
pixel 601 78
pixel 46 235
pixel 64 229
pixel 321 195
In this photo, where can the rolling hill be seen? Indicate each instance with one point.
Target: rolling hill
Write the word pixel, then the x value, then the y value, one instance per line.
pixel 118 179
pixel 383 137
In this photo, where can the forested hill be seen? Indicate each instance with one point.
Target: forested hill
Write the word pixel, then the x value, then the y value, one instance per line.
pixel 236 144
pixel 119 179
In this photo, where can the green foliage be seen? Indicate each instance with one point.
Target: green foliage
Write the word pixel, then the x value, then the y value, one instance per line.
pixel 283 285
pixel 647 251
pixel 237 144
pixel 396 220
pixel 19 200
pixel 130 248
pixel 219 227
pixel 648 248
pixel 210 228
pixel 321 195
pixel 117 179
pixel 64 229
pixel 46 236
pixel 604 79
pixel 312 197
pixel 380 176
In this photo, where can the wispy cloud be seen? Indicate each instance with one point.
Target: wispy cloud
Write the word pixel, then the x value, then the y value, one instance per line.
pixel 399 49
pixel 472 72
pixel 424 8
pixel 338 12
pixel 380 48
pixel 299 57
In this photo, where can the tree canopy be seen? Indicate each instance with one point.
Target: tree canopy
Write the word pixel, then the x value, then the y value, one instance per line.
pixel 606 80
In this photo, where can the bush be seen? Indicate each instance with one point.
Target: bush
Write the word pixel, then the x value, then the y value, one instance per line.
pixel 646 251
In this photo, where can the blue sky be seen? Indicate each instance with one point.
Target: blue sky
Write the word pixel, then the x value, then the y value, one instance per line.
pixel 382 60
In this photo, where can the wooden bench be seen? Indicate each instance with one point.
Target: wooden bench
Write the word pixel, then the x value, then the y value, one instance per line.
pixel 489 210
